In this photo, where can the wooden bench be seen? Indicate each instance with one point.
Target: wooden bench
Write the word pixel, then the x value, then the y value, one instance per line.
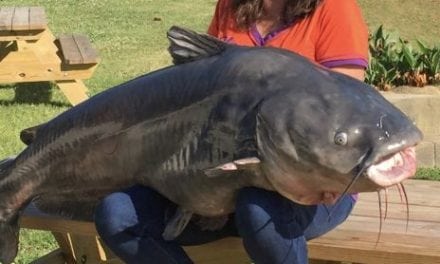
pixel 29 52
pixel 76 49
pixel 355 241
pixel 22 23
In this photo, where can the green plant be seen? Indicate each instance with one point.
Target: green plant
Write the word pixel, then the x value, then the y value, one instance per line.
pixel 408 66
pixel 382 72
pixel 395 62
pixel 382 47
pixel 430 62
pixel 379 75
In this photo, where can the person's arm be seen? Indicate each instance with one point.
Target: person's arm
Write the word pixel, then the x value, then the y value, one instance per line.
pixel 342 42
pixel 353 71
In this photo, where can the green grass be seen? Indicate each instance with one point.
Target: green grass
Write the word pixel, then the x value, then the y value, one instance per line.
pixel 428 174
pixel 34 244
pixel 409 19
pixel 130 36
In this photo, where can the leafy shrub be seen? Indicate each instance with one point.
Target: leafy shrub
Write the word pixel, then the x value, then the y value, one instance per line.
pixel 430 62
pixel 395 62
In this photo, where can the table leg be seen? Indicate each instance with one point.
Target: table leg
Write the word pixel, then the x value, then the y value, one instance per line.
pixel 65 245
pixel 74 90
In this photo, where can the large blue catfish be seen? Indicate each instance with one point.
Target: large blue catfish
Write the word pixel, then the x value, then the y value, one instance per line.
pixel 222 118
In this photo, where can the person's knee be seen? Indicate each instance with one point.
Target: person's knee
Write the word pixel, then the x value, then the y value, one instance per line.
pixel 267 222
pixel 257 209
pixel 138 210
pixel 249 208
pixel 112 213
pixel 329 217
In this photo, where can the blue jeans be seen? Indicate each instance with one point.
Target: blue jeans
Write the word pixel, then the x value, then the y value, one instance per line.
pixel 273 229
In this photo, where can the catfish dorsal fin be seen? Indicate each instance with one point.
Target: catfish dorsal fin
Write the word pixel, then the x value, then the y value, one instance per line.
pixel 187 45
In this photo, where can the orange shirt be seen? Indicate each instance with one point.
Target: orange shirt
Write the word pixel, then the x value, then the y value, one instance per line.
pixel 334 35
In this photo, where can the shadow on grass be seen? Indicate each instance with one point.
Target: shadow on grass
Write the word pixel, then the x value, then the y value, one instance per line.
pixel 38 92
pixel 32 93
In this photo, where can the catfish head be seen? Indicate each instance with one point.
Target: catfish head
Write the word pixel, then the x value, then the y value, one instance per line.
pixel 326 134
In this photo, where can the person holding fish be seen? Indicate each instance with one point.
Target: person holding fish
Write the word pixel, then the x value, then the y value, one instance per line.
pixel 331 33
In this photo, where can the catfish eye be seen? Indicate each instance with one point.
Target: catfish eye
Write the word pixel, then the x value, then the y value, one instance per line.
pixel 341 139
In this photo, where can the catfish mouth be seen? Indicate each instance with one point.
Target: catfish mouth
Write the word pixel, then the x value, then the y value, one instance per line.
pixel 389 170
pixel 393 168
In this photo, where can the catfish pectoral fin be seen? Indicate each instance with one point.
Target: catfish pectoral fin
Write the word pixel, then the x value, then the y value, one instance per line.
pixel 247 163
pixel 177 224
pixel 250 163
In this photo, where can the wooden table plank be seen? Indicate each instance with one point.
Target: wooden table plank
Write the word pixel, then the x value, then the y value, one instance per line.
pixel 417 234
pixel 231 252
pixel 57 225
pixel 88 53
pixel 15 19
pixel 37 18
pixel 30 65
pixel 77 49
pixel 69 48
pixel 6 15
pixel 344 253
pixel 397 211
pixel 20 20
pixel 421 192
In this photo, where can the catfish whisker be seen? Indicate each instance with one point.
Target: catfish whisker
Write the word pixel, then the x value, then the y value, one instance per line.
pixel 386 204
pixel 352 182
pixel 380 217
pixel 405 196
pixel 400 192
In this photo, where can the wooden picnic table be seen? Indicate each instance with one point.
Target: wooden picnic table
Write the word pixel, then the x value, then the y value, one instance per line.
pixel 29 52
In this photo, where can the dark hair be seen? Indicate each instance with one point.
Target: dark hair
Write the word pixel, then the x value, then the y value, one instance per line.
pixel 247 12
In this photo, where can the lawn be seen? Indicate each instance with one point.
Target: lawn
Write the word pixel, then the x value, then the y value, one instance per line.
pixel 408 19
pixel 130 36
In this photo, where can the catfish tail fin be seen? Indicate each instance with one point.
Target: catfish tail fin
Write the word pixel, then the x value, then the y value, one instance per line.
pixel 9 240
pixel 8 225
